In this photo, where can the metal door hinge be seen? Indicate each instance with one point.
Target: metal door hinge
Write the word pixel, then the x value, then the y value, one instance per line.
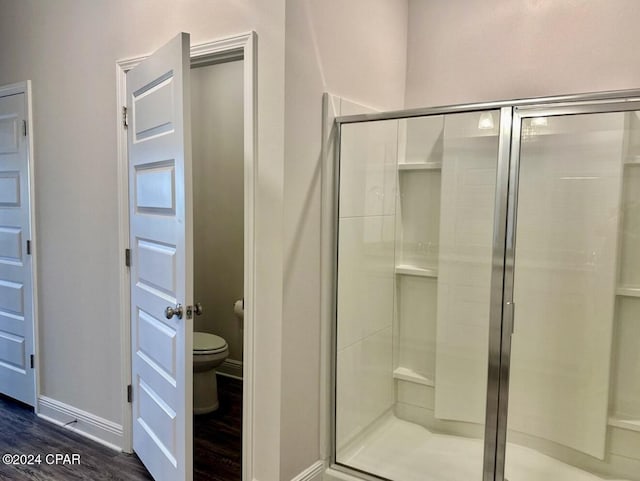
pixel 129 393
pixel 28 247
pixel 24 128
pixel 31 361
pixel 127 257
pixel 125 118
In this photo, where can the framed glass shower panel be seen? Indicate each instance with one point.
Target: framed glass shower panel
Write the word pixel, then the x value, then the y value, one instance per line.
pixel 420 253
pixel 574 371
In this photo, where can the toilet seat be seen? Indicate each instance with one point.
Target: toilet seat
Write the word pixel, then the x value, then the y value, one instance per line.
pixel 205 343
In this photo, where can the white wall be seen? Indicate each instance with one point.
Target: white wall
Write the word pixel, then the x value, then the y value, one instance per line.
pixel 218 198
pixel 477 50
pixel 69 50
pixel 330 46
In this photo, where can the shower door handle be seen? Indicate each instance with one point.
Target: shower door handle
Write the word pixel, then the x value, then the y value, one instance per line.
pixel 510 315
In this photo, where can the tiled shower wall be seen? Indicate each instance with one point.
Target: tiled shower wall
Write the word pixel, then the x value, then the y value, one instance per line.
pixel 365 295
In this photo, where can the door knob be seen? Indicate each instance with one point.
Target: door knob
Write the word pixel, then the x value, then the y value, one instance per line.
pixel 171 311
pixel 198 309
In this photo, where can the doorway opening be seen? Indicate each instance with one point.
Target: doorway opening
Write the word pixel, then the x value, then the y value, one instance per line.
pixel 218 261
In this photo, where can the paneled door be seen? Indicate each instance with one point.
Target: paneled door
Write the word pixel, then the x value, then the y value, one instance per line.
pixel 16 277
pixel 159 146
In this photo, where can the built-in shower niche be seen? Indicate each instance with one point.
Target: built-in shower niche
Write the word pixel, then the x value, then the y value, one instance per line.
pixel 629 261
pixel 624 403
pixel 420 147
pixel 446 185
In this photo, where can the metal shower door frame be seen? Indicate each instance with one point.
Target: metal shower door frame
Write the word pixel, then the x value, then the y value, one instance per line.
pixel 519 115
pixel 512 113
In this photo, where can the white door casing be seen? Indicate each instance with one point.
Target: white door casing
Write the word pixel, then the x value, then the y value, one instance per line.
pixel 17 309
pixel 160 213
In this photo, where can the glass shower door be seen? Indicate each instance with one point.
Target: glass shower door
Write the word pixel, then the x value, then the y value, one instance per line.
pixel 574 382
pixel 420 250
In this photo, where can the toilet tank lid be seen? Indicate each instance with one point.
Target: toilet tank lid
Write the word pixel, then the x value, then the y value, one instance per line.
pixel 203 341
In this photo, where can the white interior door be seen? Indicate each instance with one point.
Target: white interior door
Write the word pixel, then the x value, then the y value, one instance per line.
pixel 16 278
pixel 159 143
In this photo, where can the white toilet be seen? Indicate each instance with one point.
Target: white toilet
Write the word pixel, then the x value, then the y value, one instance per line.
pixel 209 351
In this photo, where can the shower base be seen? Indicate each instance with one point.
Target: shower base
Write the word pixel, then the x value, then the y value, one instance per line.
pixel 403 451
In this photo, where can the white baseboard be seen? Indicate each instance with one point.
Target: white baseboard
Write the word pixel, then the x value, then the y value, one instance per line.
pixel 230 368
pixel 334 475
pixel 89 425
pixel 312 473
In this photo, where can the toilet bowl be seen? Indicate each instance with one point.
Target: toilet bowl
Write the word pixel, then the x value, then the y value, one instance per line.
pixel 209 351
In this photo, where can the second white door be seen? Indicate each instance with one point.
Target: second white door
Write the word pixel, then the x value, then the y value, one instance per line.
pixel 17 376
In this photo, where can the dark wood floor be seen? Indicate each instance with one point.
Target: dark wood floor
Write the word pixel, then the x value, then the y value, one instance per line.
pixel 22 432
pixel 217 445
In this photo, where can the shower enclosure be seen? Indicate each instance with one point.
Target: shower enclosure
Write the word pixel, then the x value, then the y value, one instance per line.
pixel 487 301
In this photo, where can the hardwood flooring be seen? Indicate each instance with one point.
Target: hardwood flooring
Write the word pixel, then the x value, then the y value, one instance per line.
pixel 217 440
pixel 217 445
pixel 22 432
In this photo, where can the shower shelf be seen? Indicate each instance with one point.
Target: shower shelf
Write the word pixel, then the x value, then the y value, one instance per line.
pixel 406 270
pixel 628 291
pixel 630 424
pixel 420 166
pixel 632 160
pixel 405 374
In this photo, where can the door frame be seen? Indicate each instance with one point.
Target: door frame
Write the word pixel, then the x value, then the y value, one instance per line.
pixel 24 87
pixel 505 224
pixel 243 46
